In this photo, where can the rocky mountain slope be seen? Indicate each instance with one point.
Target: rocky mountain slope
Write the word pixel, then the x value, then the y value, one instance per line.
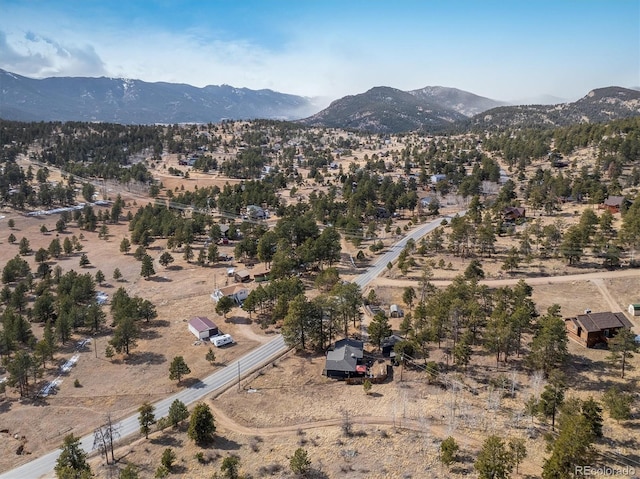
pixel 127 101
pixel 386 110
pixel 598 106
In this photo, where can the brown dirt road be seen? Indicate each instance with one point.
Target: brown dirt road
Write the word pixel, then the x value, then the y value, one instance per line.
pixel 598 275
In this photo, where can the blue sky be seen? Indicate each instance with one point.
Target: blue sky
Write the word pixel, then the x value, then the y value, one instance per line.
pixel 506 50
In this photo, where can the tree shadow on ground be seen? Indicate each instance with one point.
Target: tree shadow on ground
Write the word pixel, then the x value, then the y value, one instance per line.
pixel 159 279
pixel 167 439
pixel 192 383
pixel 238 320
pixel 146 357
pixel 179 469
pixel 175 267
pixel 157 323
pixel 5 405
pixel 226 444
pixel 149 334
pixel 591 375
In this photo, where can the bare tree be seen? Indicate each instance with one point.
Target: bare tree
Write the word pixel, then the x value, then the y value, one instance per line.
pixel 347 425
pixel 104 436
pixel 100 442
pixel 536 380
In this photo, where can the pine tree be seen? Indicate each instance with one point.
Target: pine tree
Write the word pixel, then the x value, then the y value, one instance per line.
pixel 494 460
pixel 72 462
pixel 165 259
pixel 178 368
pixel 117 274
pixel 146 418
pixel 146 269
pixel 449 451
pixel 188 253
pixel 622 347
pixel 178 412
pixel 125 245
pixel 300 462
pixel 201 426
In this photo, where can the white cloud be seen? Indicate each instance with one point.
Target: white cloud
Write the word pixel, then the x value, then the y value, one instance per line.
pixel 40 56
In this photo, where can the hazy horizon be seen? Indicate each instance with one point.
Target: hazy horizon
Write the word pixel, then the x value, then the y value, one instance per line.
pixel 504 51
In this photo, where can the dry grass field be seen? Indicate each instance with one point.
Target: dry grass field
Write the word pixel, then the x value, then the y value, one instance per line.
pixel 289 404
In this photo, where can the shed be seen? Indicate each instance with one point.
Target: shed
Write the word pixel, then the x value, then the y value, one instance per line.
pixel 634 309
pixel 388 344
pixel 242 276
pixel 395 311
pixel 202 327
pixel 261 277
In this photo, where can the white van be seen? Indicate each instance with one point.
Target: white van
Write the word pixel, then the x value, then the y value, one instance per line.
pixel 221 340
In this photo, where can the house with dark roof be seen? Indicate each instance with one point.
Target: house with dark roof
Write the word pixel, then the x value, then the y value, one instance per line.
pixel 345 360
pixel 590 329
pixel 513 213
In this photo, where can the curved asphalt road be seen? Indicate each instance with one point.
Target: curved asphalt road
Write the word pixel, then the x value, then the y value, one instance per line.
pixel 44 465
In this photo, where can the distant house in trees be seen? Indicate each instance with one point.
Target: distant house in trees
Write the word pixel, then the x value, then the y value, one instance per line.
pixel 345 360
pixel 256 212
pixel 437 178
pixel 425 201
pixel 236 292
pixel 590 329
pixel 202 327
pixel 513 213
pixel 614 204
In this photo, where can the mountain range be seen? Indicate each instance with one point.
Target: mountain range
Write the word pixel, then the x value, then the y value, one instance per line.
pixel 126 101
pixel 379 110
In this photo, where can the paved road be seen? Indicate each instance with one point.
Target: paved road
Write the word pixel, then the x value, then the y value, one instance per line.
pixel 382 262
pixel 44 465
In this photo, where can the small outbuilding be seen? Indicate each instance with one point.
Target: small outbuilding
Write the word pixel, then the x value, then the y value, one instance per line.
pixel 388 344
pixel 202 327
pixel 590 329
pixel 242 276
pixel 634 309
pixel 395 311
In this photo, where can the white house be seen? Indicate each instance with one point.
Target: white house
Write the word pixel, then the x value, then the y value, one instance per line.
pixel 436 178
pixel 237 292
pixel 202 327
